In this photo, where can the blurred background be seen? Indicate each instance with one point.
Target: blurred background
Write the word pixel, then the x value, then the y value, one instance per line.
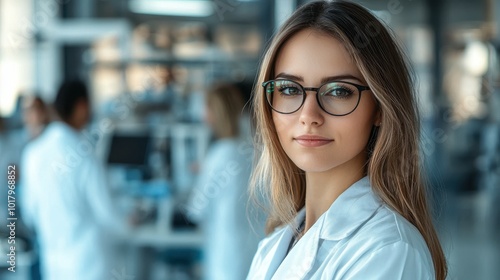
pixel 148 63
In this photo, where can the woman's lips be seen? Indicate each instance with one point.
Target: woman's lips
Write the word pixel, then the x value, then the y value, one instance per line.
pixel 312 140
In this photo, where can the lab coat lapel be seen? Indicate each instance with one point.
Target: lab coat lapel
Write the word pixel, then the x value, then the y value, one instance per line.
pixel 357 204
pixel 275 254
pixel 346 214
pixel 301 258
pixel 351 209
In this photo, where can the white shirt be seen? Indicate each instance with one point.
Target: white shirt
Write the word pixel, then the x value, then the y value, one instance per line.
pixel 66 201
pixel 219 202
pixel 358 237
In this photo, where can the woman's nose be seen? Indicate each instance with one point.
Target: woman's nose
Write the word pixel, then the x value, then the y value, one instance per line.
pixel 311 113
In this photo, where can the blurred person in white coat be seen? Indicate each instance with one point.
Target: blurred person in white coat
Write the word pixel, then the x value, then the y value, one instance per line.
pixel 65 199
pixel 219 199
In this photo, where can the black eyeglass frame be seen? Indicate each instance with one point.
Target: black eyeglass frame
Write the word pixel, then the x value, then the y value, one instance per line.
pixel 304 89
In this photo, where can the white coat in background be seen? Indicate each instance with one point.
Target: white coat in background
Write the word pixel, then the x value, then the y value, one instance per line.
pixel 219 203
pixel 357 238
pixel 66 201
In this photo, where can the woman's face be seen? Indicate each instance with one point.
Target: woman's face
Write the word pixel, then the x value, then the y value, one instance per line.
pixel 309 58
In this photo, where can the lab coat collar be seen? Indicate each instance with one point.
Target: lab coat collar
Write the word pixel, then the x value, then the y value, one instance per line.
pixel 60 127
pixel 349 211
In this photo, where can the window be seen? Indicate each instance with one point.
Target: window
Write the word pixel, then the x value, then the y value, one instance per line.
pixel 16 52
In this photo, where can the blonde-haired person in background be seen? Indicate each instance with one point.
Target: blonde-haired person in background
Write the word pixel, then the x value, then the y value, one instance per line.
pixel 35 115
pixel 339 130
pixel 219 200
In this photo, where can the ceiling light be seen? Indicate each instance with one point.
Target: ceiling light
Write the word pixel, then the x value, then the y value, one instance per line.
pixel 189 8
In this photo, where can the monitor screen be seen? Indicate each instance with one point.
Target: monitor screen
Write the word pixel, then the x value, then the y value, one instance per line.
pixel 129 150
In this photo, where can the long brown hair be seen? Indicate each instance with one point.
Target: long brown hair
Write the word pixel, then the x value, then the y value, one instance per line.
pixel 394 163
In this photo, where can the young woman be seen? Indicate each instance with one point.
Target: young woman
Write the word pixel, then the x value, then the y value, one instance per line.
pixel 338 128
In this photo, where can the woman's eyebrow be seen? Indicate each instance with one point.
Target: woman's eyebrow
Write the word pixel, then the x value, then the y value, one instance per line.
pixel 323 80
pixel 340 78
pixel 289 77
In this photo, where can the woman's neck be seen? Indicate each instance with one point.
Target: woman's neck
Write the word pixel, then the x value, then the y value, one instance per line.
pixel 323 188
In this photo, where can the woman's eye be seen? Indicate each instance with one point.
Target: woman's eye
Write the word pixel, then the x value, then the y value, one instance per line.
pixel 339 92
pixel 290 91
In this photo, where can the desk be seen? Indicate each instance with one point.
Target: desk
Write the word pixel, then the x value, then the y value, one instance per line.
pixel 150 235
pixel 154 249
pixel 148 241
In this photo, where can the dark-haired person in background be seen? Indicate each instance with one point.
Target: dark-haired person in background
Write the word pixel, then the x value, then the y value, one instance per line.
pixel 65 198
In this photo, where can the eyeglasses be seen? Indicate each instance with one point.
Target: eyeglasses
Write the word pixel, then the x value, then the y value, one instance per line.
pixel 336 98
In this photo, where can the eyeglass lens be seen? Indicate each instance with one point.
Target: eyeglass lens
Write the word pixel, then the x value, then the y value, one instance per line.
pixel 336 98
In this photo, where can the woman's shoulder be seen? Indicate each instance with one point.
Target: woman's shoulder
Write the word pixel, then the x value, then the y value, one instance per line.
pixel 384 229
pixel 386 244
pixel 360 216
pixel 388 235
pixel 387 226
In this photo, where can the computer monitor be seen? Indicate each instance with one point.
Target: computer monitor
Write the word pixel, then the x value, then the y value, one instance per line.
pixel 129 150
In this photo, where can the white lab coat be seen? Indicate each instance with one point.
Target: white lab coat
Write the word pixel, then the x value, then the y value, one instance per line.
pixel 219 202
pixel 66 201
pixel 358 237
